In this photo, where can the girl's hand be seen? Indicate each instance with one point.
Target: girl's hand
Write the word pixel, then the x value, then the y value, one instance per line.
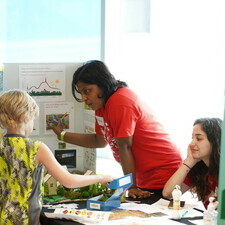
pixel 105 179
pixel 190 160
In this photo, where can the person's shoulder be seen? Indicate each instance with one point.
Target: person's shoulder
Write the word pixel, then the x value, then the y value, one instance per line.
pixel 33 141
pixel 124 90
pixel 123 97
pixel 124 93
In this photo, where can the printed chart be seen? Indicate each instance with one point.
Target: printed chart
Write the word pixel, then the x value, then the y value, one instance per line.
pixel 44 82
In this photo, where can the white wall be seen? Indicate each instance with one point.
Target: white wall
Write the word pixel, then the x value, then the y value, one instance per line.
pixel 178 67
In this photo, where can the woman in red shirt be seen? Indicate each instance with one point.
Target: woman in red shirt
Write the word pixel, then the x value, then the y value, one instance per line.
pixel 137 139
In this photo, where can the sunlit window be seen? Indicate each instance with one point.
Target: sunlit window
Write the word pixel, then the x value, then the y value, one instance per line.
pixel 1 77
pixel 50 31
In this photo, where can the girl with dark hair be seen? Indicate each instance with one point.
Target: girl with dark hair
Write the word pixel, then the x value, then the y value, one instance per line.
pixel 200 170
pixel 138 141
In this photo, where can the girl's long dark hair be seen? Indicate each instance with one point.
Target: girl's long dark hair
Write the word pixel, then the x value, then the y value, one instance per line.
pixel 96 72
pixel 199 173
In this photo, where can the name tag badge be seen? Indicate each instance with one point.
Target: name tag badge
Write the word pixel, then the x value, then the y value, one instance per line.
pixel 100 120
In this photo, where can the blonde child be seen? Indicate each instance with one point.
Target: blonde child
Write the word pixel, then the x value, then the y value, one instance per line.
pixel 22 160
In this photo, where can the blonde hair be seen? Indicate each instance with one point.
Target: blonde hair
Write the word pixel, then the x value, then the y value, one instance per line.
pixel 17 107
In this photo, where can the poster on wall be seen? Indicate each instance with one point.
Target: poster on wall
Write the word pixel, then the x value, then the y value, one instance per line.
pixel 59 111
pixel 89 154
pixel 90 159
pixel 88 110
pixel 89 127
pixel 44 82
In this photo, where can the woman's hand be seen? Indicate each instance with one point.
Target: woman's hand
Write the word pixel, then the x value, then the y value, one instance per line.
pixel 138 193
pixel 57 129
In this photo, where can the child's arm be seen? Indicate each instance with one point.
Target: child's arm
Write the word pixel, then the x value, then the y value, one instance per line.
pixel 46 157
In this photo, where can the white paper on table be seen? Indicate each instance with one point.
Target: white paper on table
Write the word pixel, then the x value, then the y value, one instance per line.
pixel 80 215
pixel 62 206
pixel 159 206
pixel 162 206
pixel 101 217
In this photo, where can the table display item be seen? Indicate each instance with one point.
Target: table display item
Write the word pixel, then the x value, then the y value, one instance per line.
pixel 176 202
pixel 210 215
pixel 107 202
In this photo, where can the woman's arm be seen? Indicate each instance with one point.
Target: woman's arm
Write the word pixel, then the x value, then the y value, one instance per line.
pixel 46 157
pixel 128 165
pixel 85 140
pixel 126 156
pixel 81 139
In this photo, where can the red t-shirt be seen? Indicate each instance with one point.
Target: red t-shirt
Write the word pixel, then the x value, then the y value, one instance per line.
pixel 156 156
pixel 213 187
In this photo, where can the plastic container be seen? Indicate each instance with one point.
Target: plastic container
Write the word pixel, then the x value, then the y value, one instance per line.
pixel 176 202
pixel 121 185
pixel 210 215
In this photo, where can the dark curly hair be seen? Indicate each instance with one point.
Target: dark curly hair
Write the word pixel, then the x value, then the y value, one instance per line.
pixel 96 72
pixel 199 173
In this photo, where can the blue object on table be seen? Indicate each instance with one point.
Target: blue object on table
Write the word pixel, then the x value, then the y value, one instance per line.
pixel 121 185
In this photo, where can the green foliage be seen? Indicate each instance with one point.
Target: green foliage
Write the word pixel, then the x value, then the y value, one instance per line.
pixel 71 194
pixel 122 198
pixel 46 189
pixel 60 190
pixel 104 198
pixel 83 192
